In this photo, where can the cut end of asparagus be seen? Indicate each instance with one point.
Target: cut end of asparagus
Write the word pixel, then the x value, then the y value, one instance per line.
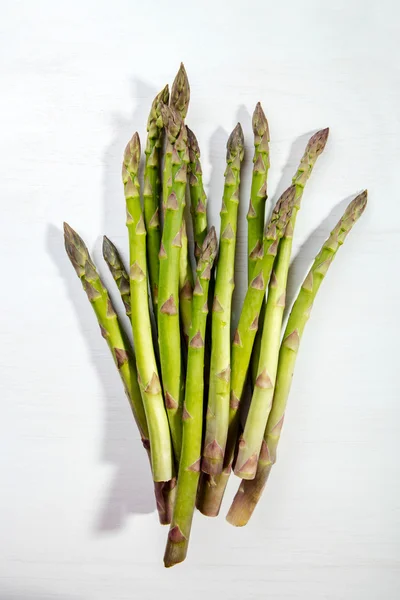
pixel 235 144
pixel 260 123
pixel 180 92
pixel 132 155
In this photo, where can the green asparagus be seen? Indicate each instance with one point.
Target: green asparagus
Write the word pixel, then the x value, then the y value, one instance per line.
pixel 152 192
pixel 189 467
pixel 168 315
pixel 160 442
pixel 220 369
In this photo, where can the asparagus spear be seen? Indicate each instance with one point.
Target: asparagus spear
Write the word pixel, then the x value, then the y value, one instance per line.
pixel 180 97
pixel 218 399
pixel 180 92
pixel 168 315
pixel 152 191
pixel 256 212
pixel 164 490
pixel 189 467
pixel 258 197
pixel 198 196
pixel 210 495
pixel 160 442
pixel 250 492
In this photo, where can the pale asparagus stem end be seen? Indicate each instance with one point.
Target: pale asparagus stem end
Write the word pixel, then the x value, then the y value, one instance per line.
pixel 180 92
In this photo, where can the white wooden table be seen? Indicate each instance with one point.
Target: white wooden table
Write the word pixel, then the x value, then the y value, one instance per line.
pixel 76 509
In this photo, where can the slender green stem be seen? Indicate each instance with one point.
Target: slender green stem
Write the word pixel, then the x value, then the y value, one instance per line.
pixel 160 442
pixel 258 196
pixel 152 192
pixel 220 368
pixel 250 491
pixel 168 316
pixel 189 467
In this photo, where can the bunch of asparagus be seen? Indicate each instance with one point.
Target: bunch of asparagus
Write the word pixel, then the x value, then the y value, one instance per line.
pixel 186 376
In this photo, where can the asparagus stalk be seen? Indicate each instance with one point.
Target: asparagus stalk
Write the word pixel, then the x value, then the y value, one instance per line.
pixel 185 285
pixel 210 496
pixel 218 399
pixel 256 212
pixel 198 198
pixel 168 315
pixel 180 97
pixel 152 192
pixel 164 490
pixel 250 491
pixel 160 442
pixel 189 467
pixel 258 196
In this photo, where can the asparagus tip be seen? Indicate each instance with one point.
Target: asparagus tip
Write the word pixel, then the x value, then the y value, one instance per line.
pixel 357 206
pixel 132 154
pixel 109 250
pixel 235 144
pixel 180 92
pixel 260 123
pixel 192 141
pixel 318 141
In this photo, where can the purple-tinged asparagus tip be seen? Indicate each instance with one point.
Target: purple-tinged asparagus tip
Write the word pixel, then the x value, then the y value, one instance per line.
pixel 110 252
pixel 192 142
pixel 180 92
pixel 132 154
pixel 317 142
pixel 260 123
pixel 357 206
pixel 235 143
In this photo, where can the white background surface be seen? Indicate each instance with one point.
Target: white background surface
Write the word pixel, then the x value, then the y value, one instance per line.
pixel 76 506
